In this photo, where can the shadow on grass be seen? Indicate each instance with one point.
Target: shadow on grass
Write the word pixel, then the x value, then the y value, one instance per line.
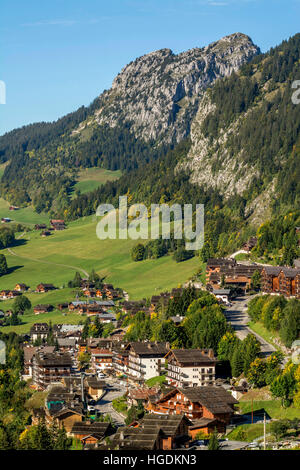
pixel 18 242
pixel 258 416
pixel 11 269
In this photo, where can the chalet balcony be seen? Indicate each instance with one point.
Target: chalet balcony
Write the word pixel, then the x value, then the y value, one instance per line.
pixel 137 367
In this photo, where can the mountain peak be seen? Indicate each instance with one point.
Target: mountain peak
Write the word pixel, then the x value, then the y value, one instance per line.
pixel 162 88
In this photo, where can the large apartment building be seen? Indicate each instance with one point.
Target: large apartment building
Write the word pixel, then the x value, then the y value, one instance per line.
pixel 145 360
pixel 48 368
pixel 191 367
pixel 281 280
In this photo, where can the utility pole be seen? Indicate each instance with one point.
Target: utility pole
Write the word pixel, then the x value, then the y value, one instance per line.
pixel 264 431
pixel 82 386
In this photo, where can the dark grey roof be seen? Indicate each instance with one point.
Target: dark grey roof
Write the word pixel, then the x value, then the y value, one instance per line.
pixel 95 383
pixel 191 355
pixel 215 399
pixel 148 348
pixel 53 359
pixel 99 428
pixel 167 423
pixel 201 423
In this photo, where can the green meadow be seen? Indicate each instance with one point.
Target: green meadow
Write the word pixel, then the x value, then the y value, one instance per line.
pixel 55 259
pixel 56 316
pixel 88 180
pixel 24 215
pixel 91 178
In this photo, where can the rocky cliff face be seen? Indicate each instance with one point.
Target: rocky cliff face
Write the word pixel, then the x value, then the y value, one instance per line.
pixel 158 94
pixel 210 164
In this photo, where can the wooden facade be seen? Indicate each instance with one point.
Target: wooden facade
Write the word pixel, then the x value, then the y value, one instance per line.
pixel 212 403
pixel 281 280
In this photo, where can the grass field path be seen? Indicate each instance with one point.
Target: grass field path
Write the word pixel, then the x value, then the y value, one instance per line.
pixel 48 262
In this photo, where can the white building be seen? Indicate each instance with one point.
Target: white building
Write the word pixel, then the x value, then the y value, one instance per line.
pixel 223 295
pixel 191 367
pixel 146 359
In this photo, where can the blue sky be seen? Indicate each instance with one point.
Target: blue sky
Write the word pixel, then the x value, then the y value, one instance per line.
pixel 56 55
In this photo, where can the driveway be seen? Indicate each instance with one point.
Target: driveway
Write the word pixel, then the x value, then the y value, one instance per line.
pixel 114 390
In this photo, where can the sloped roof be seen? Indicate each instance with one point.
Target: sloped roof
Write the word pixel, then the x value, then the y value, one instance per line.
pixel 29 351
pixel 202 423
pixel 95 383
pixel 215 399
pixel 90 428
pixel 149 348
pixel 167 423
pixel 191 355
pixel 135 438
pixel 53 359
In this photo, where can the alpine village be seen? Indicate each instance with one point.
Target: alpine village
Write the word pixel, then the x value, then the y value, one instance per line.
pixel 143 344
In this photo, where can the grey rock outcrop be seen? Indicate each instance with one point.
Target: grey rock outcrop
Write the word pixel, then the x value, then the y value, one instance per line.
pixel 158 94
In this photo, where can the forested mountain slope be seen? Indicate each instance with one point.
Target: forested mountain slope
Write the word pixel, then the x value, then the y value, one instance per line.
pixel 148 110
pixel 242 160
pixel 245 136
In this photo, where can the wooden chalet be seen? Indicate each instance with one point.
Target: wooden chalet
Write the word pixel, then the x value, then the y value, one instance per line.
pixel 281 280
pixel 158 301
pixel 101 358
pixel 91 433
pixel 45 233
pixel 42 309
pixel 142 395
pixel 250 244
pixel 9 294
pixel 58 224
pixel 45 287
pixel 233 273
pixel 96 387
pixel 213 403
pixel 20 287
pixel 153 432
pixel 204 425
pixel 65 416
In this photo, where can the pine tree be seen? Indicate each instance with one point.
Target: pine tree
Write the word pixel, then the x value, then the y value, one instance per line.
pixel 237 362
pixel 86 329
pixel 3 265
pixel 43 439
pixel 62 442
pixel 213 441
pixel 99 327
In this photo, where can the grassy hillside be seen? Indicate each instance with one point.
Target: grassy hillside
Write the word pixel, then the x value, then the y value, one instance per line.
pixel 56 316
pixel 56 258
pixel 88 180
pixel 91 178
pixel 23 216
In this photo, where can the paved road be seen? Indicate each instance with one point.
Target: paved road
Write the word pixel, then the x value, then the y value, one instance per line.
pixel 105 404
pixel 238 317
